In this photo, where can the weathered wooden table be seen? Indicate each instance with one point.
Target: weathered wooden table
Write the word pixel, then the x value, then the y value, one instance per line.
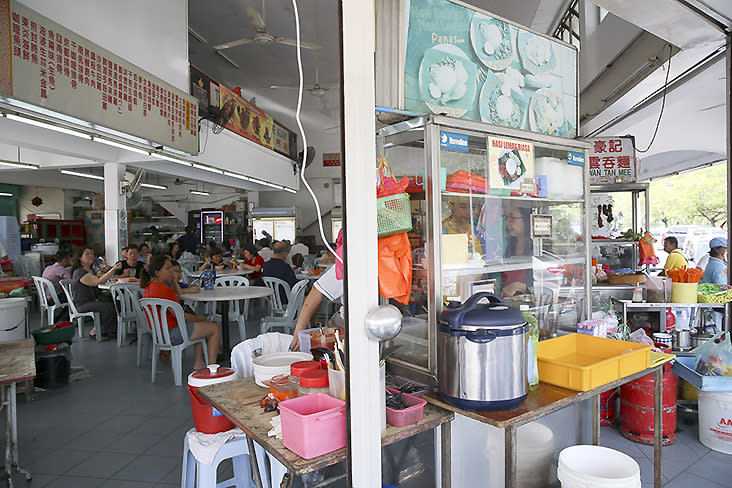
pixel 17 363
pixel 548 399
pixel 238 400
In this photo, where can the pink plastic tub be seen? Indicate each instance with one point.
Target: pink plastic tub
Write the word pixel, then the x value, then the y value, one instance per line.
pixel 313 425
pixel 413 413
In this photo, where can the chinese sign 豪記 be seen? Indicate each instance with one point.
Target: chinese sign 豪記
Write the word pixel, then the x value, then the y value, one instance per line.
pixel 612 160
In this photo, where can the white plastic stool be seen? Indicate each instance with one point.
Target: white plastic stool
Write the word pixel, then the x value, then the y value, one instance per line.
pixel 235 449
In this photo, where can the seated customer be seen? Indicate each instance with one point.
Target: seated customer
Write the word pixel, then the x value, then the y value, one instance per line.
pixel 155 285
pixel 252 261
pixel 213 261
pixel 145 253
pixel 182 287
pixel 56 272
pixel 131 267
pixel 278 268
pixel 84 285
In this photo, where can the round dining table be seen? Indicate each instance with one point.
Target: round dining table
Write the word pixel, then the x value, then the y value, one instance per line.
pixel 226 272
pixel 108 284
pixel 225 294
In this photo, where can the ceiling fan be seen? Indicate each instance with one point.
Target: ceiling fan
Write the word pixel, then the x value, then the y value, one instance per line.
pixel 261 36
pixel 317 90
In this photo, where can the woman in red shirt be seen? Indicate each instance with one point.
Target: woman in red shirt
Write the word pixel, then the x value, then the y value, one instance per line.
pixel 252 261
pixel 154 282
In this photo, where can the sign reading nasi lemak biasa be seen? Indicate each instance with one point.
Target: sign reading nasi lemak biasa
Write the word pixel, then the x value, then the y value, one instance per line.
pixel 464 63
pixel 49 66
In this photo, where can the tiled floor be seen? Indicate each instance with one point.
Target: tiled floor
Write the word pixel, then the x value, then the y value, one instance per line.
pixel 117 429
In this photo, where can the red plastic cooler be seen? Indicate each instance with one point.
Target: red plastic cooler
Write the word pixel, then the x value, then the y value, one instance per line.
pixel 205 417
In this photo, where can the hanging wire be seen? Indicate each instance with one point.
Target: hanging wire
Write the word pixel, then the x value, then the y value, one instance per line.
pixel 663 103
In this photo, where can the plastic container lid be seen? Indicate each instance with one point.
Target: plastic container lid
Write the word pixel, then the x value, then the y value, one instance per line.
pixel 211 375
pixel 314 378
pixel 281 382
pixel 298 368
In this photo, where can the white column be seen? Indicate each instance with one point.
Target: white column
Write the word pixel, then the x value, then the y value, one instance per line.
pixel 115 232
pixel 361 246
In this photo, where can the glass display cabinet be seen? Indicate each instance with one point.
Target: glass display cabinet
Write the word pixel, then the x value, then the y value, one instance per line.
pixel 493 209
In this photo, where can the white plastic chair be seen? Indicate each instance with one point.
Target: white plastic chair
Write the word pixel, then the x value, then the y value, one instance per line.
pixel 126 316
pixel 189 264
pixel 143 328
pixel 75 315
pixel 46 308
pixel 276 306
pixel 289 319
pixel 234 313
pixel 156 313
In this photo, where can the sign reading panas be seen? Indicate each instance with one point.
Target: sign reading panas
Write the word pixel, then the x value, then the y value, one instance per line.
pixel 612 160
pixel 464 63
pixel 47 65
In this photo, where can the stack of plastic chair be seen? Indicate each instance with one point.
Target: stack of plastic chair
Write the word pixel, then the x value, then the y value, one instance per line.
pixel 47 309
pixel 288 321
pixel 126 315
pixel 276 305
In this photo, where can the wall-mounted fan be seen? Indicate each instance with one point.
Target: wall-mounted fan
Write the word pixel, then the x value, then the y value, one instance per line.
pixel 261 36
pixel 131 189
pixel 220 116
pixel 311 155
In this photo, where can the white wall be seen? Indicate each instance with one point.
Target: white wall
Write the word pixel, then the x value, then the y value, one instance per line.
pixel 150 34
pixel 53 201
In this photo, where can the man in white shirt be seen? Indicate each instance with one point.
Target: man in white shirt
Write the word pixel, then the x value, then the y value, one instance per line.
pixel 327 286
pixel 264 250
pixel 299 248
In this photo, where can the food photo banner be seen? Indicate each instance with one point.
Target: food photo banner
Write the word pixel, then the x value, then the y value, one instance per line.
pixel 467 64
pixel 49 66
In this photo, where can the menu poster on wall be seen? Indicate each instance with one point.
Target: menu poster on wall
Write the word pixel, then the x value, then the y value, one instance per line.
pixel 47 65
pixel 464 63
pixel 612 160
pixel 510 163
pixel 331 159
pixel 248 120
pixel 205 89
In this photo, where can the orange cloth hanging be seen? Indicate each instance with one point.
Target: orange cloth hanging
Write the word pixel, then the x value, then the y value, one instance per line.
pixel 395 267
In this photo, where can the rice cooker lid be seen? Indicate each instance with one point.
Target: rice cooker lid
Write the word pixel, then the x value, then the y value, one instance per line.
pixel 472 315
pixel 211 375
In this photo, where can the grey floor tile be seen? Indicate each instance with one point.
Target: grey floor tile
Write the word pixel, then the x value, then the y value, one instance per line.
pixel 132 443
pixel 688 480
pixel 55 461
pixel 120 424
pixel 103 464
pixel 174 475
pixel 610 437
pixel 713 466
pixel 172 445
pixel 75 481
pixel 124 484
pixel 94 440
pixel 151 469
pixel 38 480
pixel 689 435
pixel 675 458
pixel 646 469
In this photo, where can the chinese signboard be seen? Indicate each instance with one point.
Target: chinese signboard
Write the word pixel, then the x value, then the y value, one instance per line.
pixel 511 164
pixel 49 66
pixel 612 160
pixel 248 120
pixel 464 63
pixel 331 159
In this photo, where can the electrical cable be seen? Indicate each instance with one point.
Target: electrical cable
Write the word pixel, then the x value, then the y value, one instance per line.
pixel 663 103
pixel 302 132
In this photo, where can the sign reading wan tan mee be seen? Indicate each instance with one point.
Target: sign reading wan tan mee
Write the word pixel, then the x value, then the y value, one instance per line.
pixel 47 65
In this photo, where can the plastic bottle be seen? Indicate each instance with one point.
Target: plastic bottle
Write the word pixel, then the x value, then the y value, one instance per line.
pixel 532 366
pixel 637 293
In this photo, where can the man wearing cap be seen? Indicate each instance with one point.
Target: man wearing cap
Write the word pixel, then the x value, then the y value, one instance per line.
pixel 676 258
pixel 716 270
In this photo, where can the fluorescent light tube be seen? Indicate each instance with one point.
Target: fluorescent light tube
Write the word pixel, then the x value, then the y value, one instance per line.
pixel 289 189
pixel 172 159
pixel 11 164
pixel 157 187
pixel 197 192
pixel 120 146
pixel 3 194
pixel 236 175
pixel 45 125
pixel 207 168
pixel 82 175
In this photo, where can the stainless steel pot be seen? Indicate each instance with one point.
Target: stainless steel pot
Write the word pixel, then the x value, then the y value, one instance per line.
pixel 482 354
pixel 699 339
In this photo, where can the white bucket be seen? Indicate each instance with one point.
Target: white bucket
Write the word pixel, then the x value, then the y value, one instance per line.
pixel 715 420
pixel 535 455
pixel 597 467
pixel 12 319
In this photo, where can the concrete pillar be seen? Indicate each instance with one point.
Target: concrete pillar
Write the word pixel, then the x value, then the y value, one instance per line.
pixel 115 212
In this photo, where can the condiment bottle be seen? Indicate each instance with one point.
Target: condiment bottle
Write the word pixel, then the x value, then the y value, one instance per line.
pixel 296 369
pixel 637 293
pixel 313 381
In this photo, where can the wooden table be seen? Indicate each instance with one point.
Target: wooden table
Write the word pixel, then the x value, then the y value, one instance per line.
pixel 548 399
pixel 17 363
pixel 226 294
pixel 238 400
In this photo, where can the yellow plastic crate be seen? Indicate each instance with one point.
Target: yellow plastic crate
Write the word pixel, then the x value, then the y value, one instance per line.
pixel 581 362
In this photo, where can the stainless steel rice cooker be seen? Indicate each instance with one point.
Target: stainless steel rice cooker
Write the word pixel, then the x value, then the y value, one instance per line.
pixel 482 354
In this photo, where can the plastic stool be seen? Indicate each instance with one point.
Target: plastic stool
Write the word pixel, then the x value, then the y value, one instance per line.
pixel 235 449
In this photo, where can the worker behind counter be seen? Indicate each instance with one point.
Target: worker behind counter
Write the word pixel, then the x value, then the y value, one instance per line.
pixel 676 258
pixel 716 269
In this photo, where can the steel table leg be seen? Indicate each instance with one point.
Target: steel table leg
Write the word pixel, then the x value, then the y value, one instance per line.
pixel 256 477
pixel 510 461
pixel 287 480
pixel 11 434
pixel 657 425
pixel 596 420
pixel 445 445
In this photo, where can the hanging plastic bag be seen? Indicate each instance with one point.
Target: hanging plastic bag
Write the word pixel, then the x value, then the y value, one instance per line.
pixel 386 182
pixel 647 255
pixel 395 267
pixel 339 253
pixel 714 357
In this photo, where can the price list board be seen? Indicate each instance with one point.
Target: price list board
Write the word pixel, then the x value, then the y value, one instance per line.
pixel 54 68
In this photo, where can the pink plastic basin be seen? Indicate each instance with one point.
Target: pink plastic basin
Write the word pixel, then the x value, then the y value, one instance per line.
pixel 413 411
pixel 313 425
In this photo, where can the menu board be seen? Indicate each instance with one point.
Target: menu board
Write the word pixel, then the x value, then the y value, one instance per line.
pixel 467 64
pixel 248 120
pixel 54 68
pixel 511 165
pixel 612 160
